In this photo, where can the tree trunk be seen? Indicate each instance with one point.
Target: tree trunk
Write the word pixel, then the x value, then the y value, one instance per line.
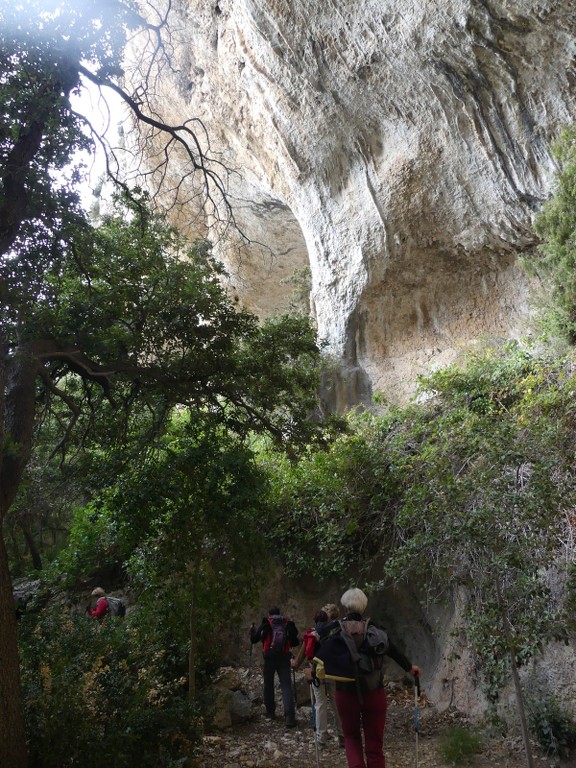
pixel 12 735
pixel 515 676
pixel 193 626
pixel 33 549
pixel 15 198
pixel 18 380
pixel 17 411
pixel 14 545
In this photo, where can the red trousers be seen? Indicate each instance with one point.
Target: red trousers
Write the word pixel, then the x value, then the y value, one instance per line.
pixel 368 717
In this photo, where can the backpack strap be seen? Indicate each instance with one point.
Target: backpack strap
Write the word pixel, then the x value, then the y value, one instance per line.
pixel 354 650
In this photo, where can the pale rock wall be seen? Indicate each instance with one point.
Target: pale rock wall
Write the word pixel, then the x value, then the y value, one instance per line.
pixel 396 147
pixel 424 633
pixel 430 635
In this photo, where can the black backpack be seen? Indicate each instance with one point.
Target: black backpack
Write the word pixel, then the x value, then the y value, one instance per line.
pixel 355 649
pixel 115 606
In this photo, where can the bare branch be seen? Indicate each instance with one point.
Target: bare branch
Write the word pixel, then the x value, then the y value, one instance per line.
pixel 181 137
pixel 70 402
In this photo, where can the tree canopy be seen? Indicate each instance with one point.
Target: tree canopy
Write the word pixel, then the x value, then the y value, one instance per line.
pixel 465 497
pixel 105 329
pixel 554 262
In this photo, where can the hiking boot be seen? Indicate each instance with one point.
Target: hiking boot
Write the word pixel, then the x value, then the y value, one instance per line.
pixel 270 715
pixel 291 721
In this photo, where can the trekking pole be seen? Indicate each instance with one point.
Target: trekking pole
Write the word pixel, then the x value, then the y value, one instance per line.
pixel 251 646
pixel 416 712
pixel 313 702
pixel 294 686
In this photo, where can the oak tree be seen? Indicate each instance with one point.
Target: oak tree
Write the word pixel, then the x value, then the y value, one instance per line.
pixel 119 317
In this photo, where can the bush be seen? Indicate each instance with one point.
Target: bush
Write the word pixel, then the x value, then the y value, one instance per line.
pixel 92 699
pixel 459 745
pixel 552 727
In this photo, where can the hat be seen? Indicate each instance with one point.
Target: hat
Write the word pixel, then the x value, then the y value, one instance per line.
pixel 98 592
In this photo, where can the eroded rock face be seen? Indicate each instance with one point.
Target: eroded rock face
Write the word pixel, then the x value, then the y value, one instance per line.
pixel 396 148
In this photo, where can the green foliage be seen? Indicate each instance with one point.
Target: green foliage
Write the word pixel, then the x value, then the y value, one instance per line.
pixel 466 489
pixel 186 523
pixel 36 527
pixel 552 727
pixel 98 694
pixel 459 746
pixel 332 505
pixel 489 466
pixel 555 260
pixel 134 296
pixel 193 514
pixel 91 543
pixel 152 308
pixel 301 282
pixel 43 46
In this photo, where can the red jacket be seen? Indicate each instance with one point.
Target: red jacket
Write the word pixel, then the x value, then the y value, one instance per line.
pixel 101 609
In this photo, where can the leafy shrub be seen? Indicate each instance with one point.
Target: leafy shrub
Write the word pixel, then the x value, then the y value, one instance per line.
pixel 553 260
pixel 93 699
pixel 552 727
pixel 459 745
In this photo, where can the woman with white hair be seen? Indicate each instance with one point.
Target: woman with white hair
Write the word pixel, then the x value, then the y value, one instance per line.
pixel 361 701
pixel 354 601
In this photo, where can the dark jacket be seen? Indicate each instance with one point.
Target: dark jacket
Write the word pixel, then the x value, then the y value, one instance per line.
pixel 393 652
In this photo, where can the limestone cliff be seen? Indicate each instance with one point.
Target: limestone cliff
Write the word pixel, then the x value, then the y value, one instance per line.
pixel 390 155
pixel 396 148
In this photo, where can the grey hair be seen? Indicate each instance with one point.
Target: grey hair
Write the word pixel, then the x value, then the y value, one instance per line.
pixel 354 600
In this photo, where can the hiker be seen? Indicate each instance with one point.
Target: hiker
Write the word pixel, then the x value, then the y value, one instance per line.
pixel 322 691
pixel 327 692
pixel 360 697
pixel 307 647
pixel 106 605
pixel 101 608
pixel 278 635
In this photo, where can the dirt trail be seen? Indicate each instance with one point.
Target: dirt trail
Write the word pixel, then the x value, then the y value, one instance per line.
pixel 261 743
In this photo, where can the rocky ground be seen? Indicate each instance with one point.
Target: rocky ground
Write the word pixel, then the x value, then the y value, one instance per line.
pixel 261 743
